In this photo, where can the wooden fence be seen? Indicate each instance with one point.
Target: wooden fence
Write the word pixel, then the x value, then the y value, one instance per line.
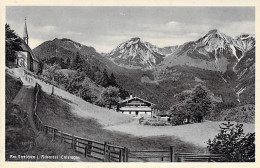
pixel 107 152
pixel 102 151
pixel 151 155
pixel 193 157
pixel 171 156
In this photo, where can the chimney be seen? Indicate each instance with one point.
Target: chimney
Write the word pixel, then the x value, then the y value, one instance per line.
pixel 131 95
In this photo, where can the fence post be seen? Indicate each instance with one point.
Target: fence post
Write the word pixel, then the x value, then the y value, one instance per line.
pixel 75 143
pixel 46 129
pixel 61 136
pixel 120 156
pixel 109 154
pixel 172 154
pixel 105 151
pixel 72 142
pixel 126 154
pixel 89 147
pixel 85 150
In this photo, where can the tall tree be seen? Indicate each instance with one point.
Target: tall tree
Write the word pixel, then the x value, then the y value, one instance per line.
pixel 76 61
pixel 102 78
pixel 200 105
pixel 109 96
pixel 112 80
pixel 85 91
pixel 12 44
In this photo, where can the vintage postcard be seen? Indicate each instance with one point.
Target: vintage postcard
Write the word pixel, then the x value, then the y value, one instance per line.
pixel 140 83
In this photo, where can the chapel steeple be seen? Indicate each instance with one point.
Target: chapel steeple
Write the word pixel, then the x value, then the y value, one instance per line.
pixel 25 33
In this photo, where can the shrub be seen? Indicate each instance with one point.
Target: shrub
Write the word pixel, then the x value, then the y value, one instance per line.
pixel 233 143
pixel 156 123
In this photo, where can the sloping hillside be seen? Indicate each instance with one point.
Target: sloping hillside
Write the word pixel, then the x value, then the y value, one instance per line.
pixel 13 87
pixel 80 107
pixel 58 112
pixel 21 138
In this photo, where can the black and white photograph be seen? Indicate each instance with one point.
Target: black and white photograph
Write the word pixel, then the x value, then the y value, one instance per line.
pixel 130 84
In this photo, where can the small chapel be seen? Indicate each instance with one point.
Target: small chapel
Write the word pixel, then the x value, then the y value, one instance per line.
pixel 26 58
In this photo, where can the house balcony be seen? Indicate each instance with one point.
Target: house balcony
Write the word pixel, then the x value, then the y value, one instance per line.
pixel 135 108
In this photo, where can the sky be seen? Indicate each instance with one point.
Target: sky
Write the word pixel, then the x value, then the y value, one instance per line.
pixel 104 28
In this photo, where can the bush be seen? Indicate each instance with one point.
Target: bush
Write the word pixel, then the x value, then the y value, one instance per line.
pixel 233 143
pixel 156 123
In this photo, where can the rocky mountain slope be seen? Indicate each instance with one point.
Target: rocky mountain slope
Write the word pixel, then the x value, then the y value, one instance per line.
pixel 136 53
pixel 214 51
pixel 233 57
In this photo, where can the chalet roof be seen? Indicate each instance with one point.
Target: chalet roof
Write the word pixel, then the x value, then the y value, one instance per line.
pixel 26 48
pixel 134 98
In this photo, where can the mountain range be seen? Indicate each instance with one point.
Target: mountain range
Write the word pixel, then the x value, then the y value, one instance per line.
pixel 214 51
pixel 224 64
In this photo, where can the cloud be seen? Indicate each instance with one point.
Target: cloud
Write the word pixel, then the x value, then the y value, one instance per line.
pixel 106 37
pixel 71 33
pixel 236 28
pixel 100 47
pixel 175 33
pixel 163 34
pixel 49 28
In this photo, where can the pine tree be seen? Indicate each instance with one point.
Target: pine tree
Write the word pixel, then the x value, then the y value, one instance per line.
pixel 102 78
pixel 12 44
pixel 76 62
pixel 105 77
pixel 112 80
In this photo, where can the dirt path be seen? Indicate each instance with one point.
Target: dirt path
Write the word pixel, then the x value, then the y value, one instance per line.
pixel 25 99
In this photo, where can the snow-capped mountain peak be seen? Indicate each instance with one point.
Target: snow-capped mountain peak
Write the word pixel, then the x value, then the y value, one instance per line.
pixel 214 40
pixel 244 42
pixel 136 52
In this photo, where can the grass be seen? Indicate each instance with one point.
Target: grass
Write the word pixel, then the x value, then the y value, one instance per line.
pixel 55 112
pixel 21 139
pixel 12 87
